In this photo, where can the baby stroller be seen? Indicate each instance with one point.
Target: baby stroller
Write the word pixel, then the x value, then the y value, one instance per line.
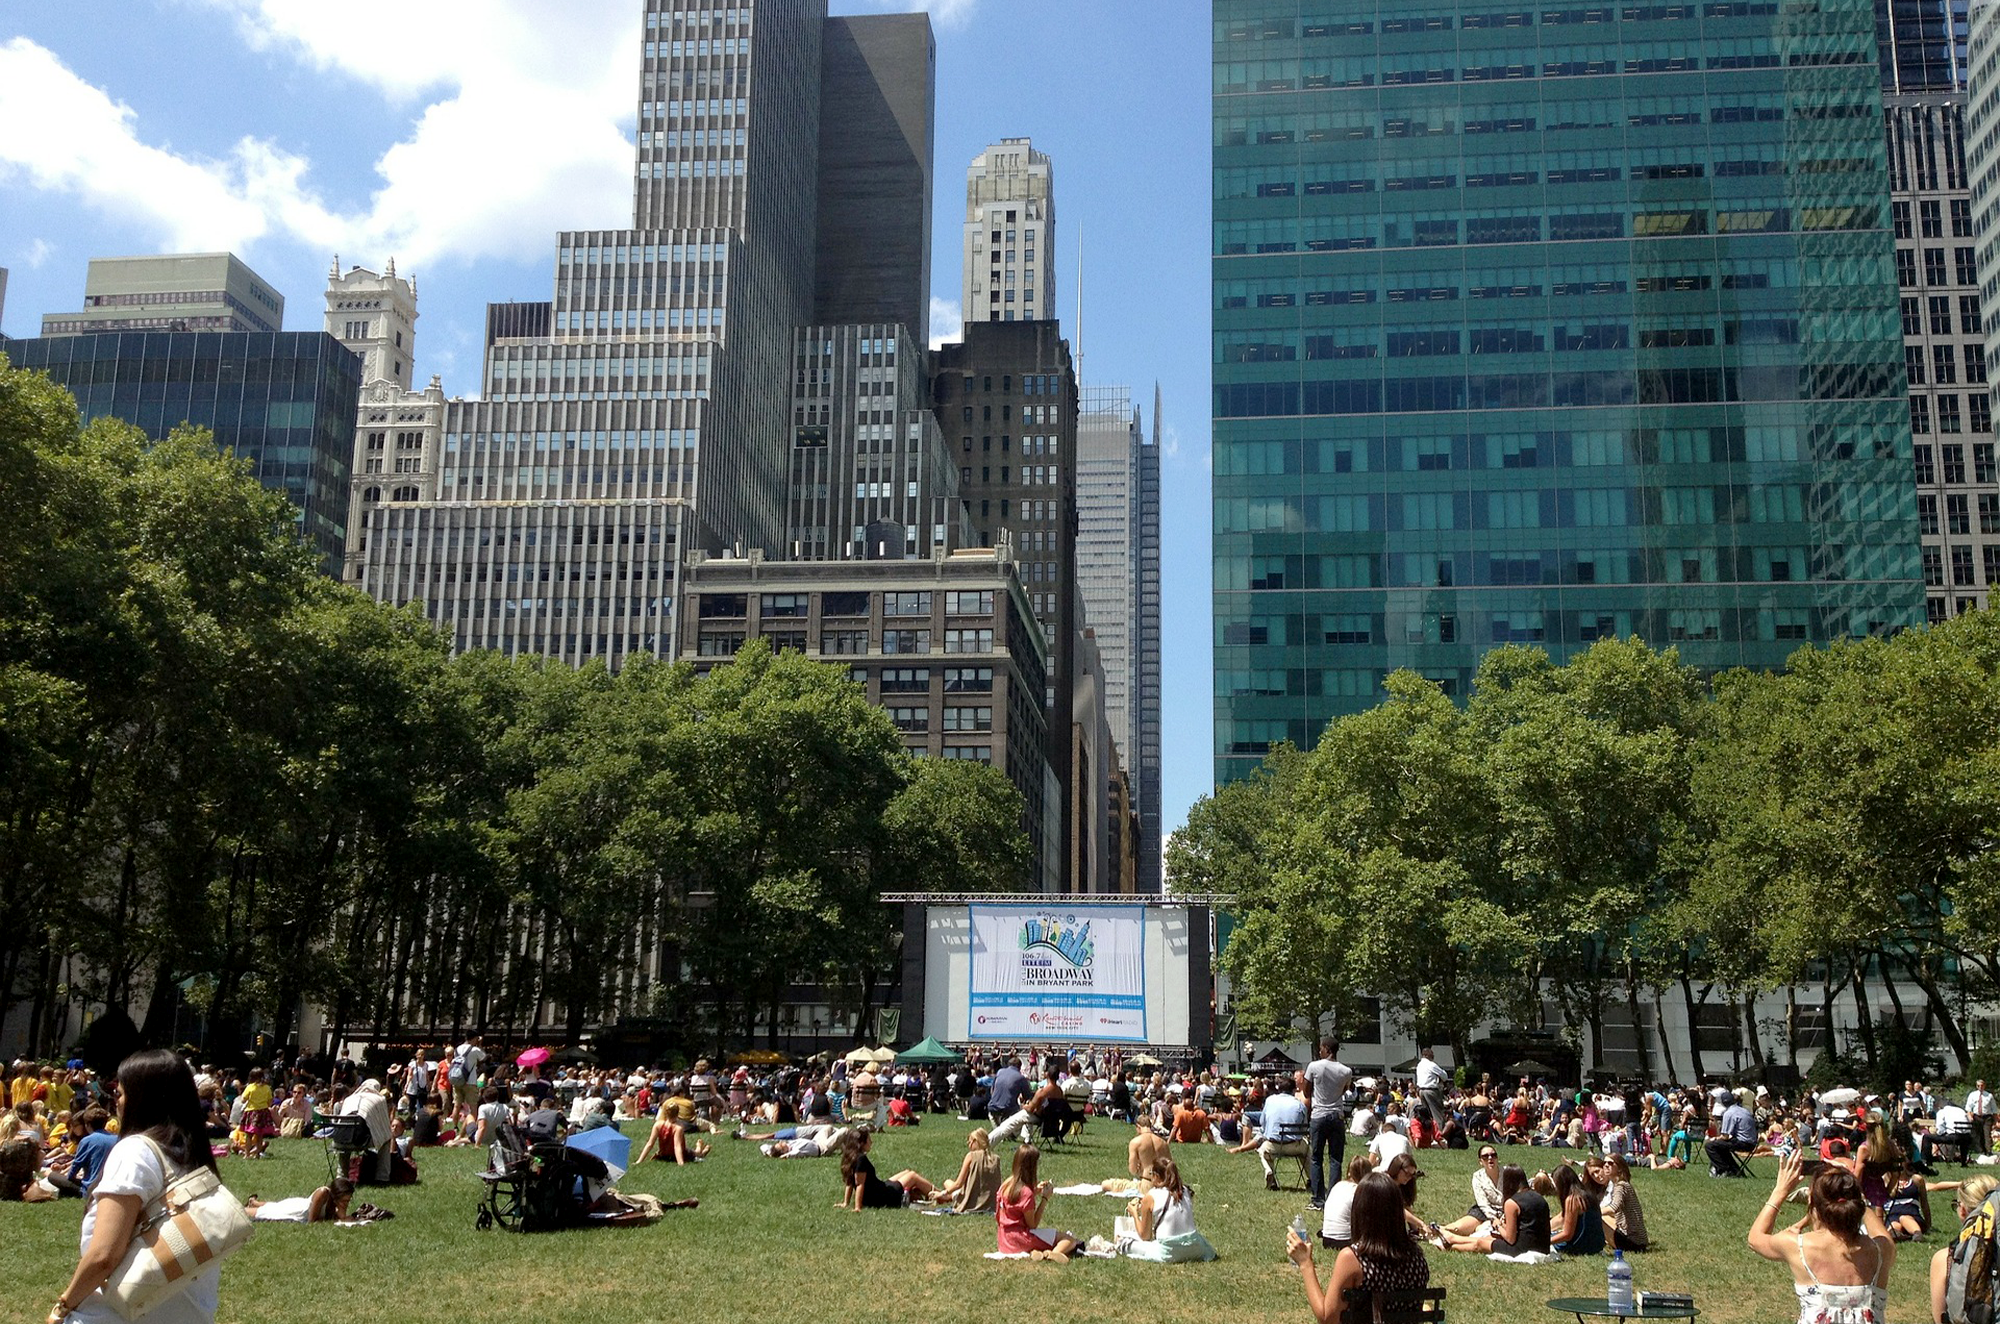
pixel 536 1187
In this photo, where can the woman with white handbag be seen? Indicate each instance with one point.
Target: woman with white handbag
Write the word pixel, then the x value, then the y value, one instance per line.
pixel 159 1219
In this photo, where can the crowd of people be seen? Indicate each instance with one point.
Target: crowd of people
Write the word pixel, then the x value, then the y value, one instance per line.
pixel 1862 1169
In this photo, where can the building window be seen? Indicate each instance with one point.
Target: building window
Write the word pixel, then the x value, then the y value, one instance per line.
pixel 979 680
pixel 1989 513
pixel 720 645
pixel 785 604
pixel 978 603
pixel 1991 555
pixel 906 680
pixel 1981 407
pixel 906 604
pixel 968 719
pixel 1934 268
pixel 845 643
pixel 1933 567
pixel 1913 321
pixel 906 641
pixel 1940 315
pixel 1983 470
pixel 1927 515
pixel 1954 463
pixel 1956 517
pixel 1926 464
pixel 1920 415
pixel 843 604
pixel 913 720
pixel 970 753
pixel 783 640
pixel 718 606
pixel 1948 418
pixel 1944 359
pixel 1961 567
pixel 967 641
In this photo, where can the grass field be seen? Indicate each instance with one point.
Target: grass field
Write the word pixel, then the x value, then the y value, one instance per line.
pixel 767 1244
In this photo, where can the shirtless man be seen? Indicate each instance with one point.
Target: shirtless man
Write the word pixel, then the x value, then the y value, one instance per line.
pixel 1146 1149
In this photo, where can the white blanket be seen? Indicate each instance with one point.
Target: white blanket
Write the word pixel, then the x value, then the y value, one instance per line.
pixel 1527 1257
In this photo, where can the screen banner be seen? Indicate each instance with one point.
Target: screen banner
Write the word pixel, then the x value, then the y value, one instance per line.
pixel 1058 972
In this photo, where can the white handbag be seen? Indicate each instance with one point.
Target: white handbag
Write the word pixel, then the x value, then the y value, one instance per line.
pixel 195 1222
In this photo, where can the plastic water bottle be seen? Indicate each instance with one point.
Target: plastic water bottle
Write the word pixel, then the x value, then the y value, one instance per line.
pixel 1618 1283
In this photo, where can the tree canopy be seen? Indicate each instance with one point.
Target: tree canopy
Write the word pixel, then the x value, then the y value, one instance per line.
pixel 230 786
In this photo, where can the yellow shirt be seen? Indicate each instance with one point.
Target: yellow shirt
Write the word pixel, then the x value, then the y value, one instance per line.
pixel 60 1094
pixel 256 1097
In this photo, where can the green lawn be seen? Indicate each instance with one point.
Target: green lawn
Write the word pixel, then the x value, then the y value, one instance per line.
pixel 767 1242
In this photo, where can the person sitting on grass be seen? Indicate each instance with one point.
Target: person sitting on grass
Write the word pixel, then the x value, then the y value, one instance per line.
pixel 1336 1228
pixel 1145 1148
pixel 669 1139
pixel 1163 1220
pixel 1523 1225
pixel 1972 1193
pixel 1020 1206
pixel 978 1181
pixel 1907 1211
pixel 1403 1170
pixel 1840 1263
pixel 1190 1122
pixel 862 1189
pixel 1581 1231
pixel 1381 1257
pixel 1620 1206
pixel 1486 1197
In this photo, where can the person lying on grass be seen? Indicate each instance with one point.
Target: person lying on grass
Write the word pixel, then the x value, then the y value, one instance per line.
pixel 862 1189
pixel 1020 1207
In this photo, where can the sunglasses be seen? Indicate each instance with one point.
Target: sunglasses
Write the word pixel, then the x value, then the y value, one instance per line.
pixel 1484 1157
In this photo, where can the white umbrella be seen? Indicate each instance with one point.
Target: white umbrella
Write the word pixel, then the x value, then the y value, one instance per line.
pixel 1839 1098
pixel 1367 1082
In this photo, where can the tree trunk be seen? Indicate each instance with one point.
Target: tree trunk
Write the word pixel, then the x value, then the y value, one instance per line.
pixel 1697 1066
pixel 1792 1026
pixel 1954 1033
pixel 1671 1072
pixel 1750 1031
pixel 1864 1012
pixel 1638 1024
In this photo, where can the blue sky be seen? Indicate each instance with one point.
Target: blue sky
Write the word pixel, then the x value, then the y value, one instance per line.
pixel 460 135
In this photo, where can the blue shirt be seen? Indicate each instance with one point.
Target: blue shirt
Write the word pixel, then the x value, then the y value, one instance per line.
pixel 1284 1118
pixel 1009 1086
pixel 88 1162
pixel 1739 1126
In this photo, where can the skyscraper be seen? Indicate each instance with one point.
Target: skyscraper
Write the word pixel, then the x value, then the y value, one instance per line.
pixel 653 414
pixel 1541 361
pixel 1010 234
pixel 1923 63
pixel 171 292
pixel 1117 562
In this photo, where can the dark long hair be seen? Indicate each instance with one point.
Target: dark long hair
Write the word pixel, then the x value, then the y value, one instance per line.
pixel 852 1146
pixel 1379 1232
pixel 1513 1178
pixel 157 1099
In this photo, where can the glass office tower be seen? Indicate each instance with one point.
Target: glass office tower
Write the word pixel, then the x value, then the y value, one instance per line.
pixel 1543 325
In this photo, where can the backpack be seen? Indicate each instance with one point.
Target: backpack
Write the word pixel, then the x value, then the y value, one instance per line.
pixel 457 1073
pixel 1972 1271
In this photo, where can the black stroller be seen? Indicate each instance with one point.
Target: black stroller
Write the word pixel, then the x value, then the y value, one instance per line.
pixel 537 1186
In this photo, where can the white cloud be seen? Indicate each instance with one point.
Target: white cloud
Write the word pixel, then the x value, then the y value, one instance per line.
pixel 520 136
pixel 946 13
pixel 947 321
pixel 39 252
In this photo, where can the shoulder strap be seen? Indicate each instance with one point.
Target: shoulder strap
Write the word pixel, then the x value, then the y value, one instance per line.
pixel 1805 1263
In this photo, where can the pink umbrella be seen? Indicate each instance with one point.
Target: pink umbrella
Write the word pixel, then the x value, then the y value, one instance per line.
pixel 534 1057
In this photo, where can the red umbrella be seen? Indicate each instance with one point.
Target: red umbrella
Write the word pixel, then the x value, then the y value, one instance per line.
pixel 534 1057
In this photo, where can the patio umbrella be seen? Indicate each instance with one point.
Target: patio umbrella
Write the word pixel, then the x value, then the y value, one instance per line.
pixel 607 1143
pixel 1840 1098
pixel 860 1056
pixel 758 1057
pixel 882 1057
pixel 534 1057
pixel 1528 1066
pixel 1143 1060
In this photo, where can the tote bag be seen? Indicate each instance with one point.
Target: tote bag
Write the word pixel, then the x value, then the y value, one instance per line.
pixel 195 1222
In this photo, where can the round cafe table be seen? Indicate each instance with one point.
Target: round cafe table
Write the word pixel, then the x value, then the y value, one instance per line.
pixel 1597 1307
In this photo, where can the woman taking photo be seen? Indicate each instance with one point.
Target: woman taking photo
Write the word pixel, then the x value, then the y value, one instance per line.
pixel 160 1116
pixel 1840 1268
pixel 1382 1256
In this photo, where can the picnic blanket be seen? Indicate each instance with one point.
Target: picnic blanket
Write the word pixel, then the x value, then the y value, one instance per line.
pixel 1527 1257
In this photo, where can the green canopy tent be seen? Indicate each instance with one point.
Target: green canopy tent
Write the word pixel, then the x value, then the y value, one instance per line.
pixel 929 1051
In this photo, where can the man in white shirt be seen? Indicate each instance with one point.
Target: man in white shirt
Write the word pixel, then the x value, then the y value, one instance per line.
pixel 1387 1143
pixel 1979 1109
pixel 1328 1080
pixel 1431 1082
pixel 463 1076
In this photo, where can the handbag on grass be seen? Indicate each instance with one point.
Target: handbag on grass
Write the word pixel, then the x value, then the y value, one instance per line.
pixel 195 1222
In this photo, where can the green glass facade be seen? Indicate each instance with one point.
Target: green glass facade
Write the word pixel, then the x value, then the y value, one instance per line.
pixel 1542 325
